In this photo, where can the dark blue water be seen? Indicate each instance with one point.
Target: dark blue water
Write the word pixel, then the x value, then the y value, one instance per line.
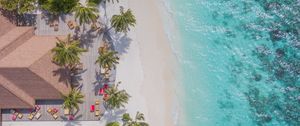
pixel 241 61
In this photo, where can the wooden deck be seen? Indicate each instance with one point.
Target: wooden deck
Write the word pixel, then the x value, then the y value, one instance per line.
pixel 89 79
pixel 43 25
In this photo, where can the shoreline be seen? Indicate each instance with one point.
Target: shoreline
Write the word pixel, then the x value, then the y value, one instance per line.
pixel 148 68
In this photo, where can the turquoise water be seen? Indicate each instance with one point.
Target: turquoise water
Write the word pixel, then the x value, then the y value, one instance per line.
pixel 240 61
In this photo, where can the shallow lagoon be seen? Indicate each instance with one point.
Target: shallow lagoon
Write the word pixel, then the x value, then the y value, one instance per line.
pixel 240 60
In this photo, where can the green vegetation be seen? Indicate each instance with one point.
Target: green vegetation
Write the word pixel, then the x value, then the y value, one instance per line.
pixel 95 1
pixel 57 7
pixel 113 124
pixel 122 22
pixel 116 98
pixel 72 100
pixel 86 14
pixel 138 121
pixel 108 59
pixel 66 53
pixel 20 6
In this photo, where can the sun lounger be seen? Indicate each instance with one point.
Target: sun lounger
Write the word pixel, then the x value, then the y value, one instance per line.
pixel 38 115
pixel 20 115
pixel 92 108
pixel 97 113
pixel 55 116
pixel 101 91
pixel 30 117
pixel 70 25
pixel 66 111
pixel 97 102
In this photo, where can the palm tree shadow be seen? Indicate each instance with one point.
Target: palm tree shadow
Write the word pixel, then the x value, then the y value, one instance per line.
pixel 120 42
pixel 64 75
pixel 73 123
pixel 97 83
pixel 87 40
pixel 111 116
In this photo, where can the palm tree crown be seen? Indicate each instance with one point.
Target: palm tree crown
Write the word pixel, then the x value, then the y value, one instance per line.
pixel 86 14
pixel 138 121
pixel 122 22
pixel 113 124
pixel 21 6
pixel 73 99
pixel 108 59
pixel 66 53
pixel 116 98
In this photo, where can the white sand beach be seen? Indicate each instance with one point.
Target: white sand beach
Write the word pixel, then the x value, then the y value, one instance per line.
pixel 147 65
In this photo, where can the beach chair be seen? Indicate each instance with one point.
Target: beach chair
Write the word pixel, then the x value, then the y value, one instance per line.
pixel 101 91
pixel 97 102
pixel 70 25
pixel 55 116
pixel 97 113
pixel 38 115
pixel 92 108
pixel 66 111
pixel 31 115
pixel 20 115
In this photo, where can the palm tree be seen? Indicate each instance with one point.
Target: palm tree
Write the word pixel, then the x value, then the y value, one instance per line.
pixel 122 22
pixel 138 121
pixel 116 98
pixel 66 53
pixel 86 14
pixel 108 59
pixel 72 99
pixel 57 7
pixel 97 2
pixel 21 6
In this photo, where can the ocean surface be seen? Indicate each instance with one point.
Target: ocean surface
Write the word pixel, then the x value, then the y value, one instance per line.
pixel 240 61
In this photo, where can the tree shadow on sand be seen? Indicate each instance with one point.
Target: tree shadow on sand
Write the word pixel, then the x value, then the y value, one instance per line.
pixel 122 44
pixel 120 41
pixel 73 123
pixel 87 39
pixel 115 115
